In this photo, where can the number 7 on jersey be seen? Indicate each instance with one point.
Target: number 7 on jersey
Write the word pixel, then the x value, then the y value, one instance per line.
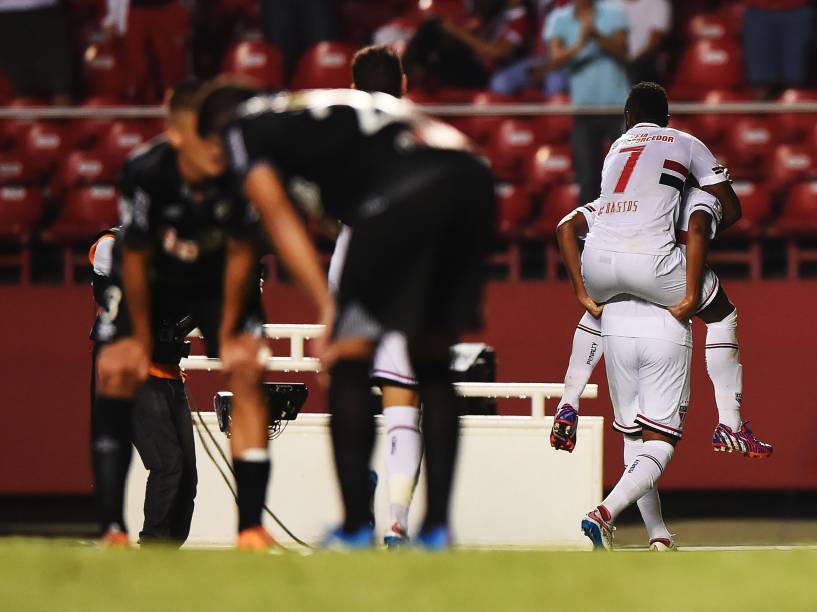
pixel 629 166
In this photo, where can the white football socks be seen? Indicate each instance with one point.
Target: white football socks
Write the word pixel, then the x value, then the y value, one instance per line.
pixel 649 504
pixel 584 357
pixel 640 476
pixel 404 451
pixel 725 371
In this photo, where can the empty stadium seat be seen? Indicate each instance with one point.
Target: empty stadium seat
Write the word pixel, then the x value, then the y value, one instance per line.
pixel 714 25
pixel 512 147
pixel 44 143
pixel 15 169
pixel 257 60
pixel 326 65
pixel 87 132
pixel 708 64
pixel 750 140
pixel 789 164
pixel 481 127
pixel 712 127
pixel 557 202
pixel 756 204
pixel 550 164
pixel 799 215
pixel 514 206
pixel 81 168
pixel 555 129
pixel 103 71
pixel 21 209
pixel 794 127
pixel 121 138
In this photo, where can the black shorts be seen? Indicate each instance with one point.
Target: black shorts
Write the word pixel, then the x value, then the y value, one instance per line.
pixel 416 259
pixel 169 307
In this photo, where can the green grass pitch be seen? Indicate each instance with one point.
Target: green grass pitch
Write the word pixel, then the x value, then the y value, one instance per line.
pixel 61 577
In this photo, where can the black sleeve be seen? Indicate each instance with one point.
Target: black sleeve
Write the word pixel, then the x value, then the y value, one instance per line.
pixel 134 207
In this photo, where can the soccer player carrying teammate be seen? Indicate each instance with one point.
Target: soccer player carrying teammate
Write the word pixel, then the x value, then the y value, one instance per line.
pixel 162 425
pixel 378 69
pixel 633 246
pixel 188 248
pixel 423 214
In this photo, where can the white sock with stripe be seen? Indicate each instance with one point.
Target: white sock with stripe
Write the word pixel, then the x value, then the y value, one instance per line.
pixel 724 368
pixel 649 504
pixel 584 357
pixel 641 475
pixel 404 451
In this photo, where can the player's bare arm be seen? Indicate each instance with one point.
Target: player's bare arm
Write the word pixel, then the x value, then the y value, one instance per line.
pixel 697 248
pixel 729 201
pixel 239 349
pixel 287 233
pixel 568 233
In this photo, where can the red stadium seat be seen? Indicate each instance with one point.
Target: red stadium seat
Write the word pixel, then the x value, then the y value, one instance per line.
pixel 789 164
pixel 88 132
pixel 481 127
pixel 43 145
pixel 712 127
pixel 799 220
pixel 756 204
pixel 87 211
pixel 794 127
pixel 120 140
pixel 326 65
pixel 81 168
pixel 750 140
pixel 550 164
pixel 258 60
pixel 708 64
pixel 715 25
pixel 512 147
pixel 21 209
pixel 16 169
pixel 13 131
pixel 558 202
pixel 103 70
pixel 555 129
pixel 514 209
pixel 454 10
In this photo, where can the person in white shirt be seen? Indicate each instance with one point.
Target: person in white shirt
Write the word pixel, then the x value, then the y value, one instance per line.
pixel 650 22
pixel 631 248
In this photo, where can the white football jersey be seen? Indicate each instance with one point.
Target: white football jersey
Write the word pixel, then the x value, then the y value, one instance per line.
pixel 694 199
pixel 641 185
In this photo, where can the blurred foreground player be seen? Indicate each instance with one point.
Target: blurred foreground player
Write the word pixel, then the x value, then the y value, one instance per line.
pixel 187 248
pixel 378 69
pixel 162 425
pixel 698 223
pixel 423 214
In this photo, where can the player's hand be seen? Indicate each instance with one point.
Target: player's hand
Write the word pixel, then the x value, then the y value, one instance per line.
pixel 684 309
pixel 590 306
pixel 244 353
pixel 122 366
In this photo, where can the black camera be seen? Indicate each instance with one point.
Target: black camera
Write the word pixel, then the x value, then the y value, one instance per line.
pixel 284 403
pixel 171 346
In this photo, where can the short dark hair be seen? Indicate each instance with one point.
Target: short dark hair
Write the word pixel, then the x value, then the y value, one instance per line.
pixel 378 69
pixel 648 102
pixel 184 96
pixel 217 105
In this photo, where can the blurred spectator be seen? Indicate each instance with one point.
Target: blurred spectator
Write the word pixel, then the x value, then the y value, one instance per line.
pixel 776 40
pixel 296 25
pixel 34 49
pixel 590 38
pixel 155 35
pixel 444 53
pixel 649 23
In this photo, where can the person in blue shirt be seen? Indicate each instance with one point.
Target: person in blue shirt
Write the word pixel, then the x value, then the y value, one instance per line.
pixel 589 38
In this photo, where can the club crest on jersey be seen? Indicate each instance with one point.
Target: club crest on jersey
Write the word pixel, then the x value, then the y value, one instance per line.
pixel 183 250
pixel 222 209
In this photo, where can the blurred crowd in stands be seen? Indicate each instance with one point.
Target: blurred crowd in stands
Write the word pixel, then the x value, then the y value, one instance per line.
pixel 586 52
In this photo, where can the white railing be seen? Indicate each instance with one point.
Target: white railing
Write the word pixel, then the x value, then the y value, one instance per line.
pixel 537 393
pixel 442 110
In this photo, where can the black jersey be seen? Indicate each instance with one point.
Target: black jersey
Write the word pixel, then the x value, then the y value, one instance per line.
pixel 187 231
pixel 334 150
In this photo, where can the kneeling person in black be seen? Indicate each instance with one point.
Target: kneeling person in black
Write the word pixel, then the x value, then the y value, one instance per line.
pixel 423 212
pixel 188 248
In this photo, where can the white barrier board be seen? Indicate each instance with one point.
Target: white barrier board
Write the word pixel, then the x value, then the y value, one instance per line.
pixel 511 487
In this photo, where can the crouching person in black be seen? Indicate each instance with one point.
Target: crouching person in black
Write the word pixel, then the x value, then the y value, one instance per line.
pixel 162 425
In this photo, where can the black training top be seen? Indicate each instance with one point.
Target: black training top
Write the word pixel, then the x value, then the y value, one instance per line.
pixel 334 150
pixel 186 231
